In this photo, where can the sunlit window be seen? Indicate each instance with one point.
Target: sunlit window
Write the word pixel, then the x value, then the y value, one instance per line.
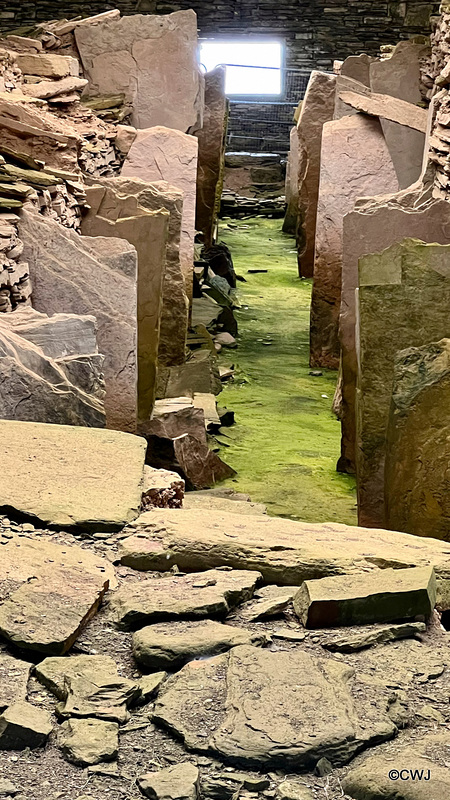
pixel 253 68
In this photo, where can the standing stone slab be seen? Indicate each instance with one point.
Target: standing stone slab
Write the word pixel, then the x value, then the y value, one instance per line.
pixel 355 162
pixel 418 437
pixel 175 303
pixel 81 275
pixel 150 59
pixel 71 476
pixel 395 595
pixel 369 229
pixel 404 301
pixel 119 216
pixel 291 189
pixel 317 108
pixel 161 154
pixel 211 154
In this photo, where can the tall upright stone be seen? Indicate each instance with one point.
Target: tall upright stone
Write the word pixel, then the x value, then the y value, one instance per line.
pixel 403 301
pixel 418 442
pixel 175 304
pixel 161 154
pixel 211 154
pixel 118 216
pixel 355 163
pixel 369 229
pixel 317 108
pixel 81 275
pixel 291 192
pixel 150 59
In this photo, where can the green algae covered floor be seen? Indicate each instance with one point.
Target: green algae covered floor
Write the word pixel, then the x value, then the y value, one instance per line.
pixel 286 441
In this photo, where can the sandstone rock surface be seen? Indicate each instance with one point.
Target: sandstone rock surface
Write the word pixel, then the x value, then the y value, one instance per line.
pixel 213 592
pixel 14 675
pixel 381 635
pixel 386 107
pixel 417 442
pixel 393 595
pixel 292 184
pixel 88 741
pixel 167 646
pixel 180 782
pixel 152 60
pixel 317 108
pixel 71 476
pixel 162 154
pixel 23 725
pixel 355 162
pixel 211 154
pixel 284 709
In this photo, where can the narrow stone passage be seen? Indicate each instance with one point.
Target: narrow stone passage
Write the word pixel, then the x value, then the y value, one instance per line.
pixel 286 441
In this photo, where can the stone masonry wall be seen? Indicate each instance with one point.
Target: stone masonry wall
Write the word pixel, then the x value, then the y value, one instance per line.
pixel 315 31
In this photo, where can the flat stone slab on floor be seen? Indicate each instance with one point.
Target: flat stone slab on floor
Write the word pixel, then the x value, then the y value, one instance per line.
pixel 284 551
pixel 210 593
pixel 168 646
pixel 49 592
pixel 66 476
pixel 283 709
pixel 389 596
pixel 88 741
pixel 14 675
pixel 24 725
pixel 180 782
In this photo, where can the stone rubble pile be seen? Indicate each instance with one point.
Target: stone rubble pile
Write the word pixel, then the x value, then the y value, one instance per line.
pixel 368 189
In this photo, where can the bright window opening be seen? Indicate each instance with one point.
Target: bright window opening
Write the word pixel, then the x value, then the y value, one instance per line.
pixel 253 68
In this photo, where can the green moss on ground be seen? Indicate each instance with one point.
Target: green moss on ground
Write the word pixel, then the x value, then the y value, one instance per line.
pixel 286 441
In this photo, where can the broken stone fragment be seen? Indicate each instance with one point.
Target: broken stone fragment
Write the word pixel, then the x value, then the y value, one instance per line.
pixel 170 645
pixel 202 594
pixel 48 65
pixel 162 489
pixel 14 675
pixel 23 725
pixel 180 782
pixel 351 644
pixel 392 594
pixel 150 685
pixel 126 135
pixel 88 741
pixel 52 89
pixel 393 109
pixel 293 790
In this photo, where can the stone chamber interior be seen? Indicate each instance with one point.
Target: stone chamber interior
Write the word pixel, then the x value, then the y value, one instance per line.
pixel 224 394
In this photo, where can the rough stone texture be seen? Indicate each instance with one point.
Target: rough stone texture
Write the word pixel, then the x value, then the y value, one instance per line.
pixel 381 635
pixel 355 162
pixel 23 725
pixel 207 501
pixel 418 436
pixel 88 741
pixel 369 230
pixel 161 154
pixel 283 709
pixel 202 594
pixel 152 60
pixel 105 286
pixel 293 790
pixel 370 780
pixel 180 782
pixel 389 108
pixel 175 303
pixel 211 154
pixel 71 476
pixel 292 184
pixel 61 382
pixel 115 215
pixel 13 680
pixel 88 686
pixel 395 595
pixel 404 301
pixel 49 593
pixel 169 645
pixel 317 108
pixel 162 489
pixel 357 68
pixel 284 551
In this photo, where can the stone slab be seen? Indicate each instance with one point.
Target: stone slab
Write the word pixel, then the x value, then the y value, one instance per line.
pixel 317 108
pixel 355 162
pixel 394 595
pixel 175 302
pixel 211 154
pixel 71 476
pixel 418 436
pixel 283 710
pixel 403 301
pixel 162 154
pixel 167 646
pixel 48 65
pixel 203 594
pixel 369 230
pixel 88 741
pixel 284 551
pixel 178 782
pixel 292 184
pixel 106 271
pixel 152 60
pixel 381 635
pixel 14 675
pixel 23 725
pixel 49 593
pixel 389 108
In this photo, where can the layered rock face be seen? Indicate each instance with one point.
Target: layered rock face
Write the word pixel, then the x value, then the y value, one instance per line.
pixel 124 56
pixel 417 442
